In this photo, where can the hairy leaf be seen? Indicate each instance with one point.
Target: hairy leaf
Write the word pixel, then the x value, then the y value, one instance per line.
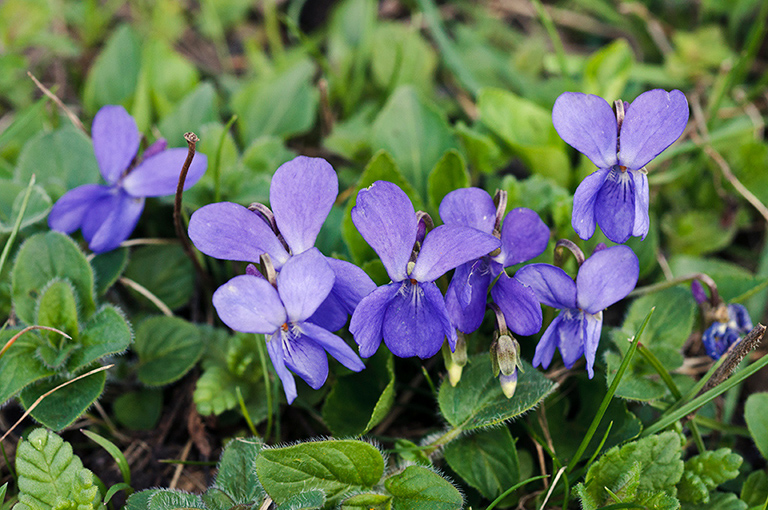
pixel 50 475
pixel 706 471
pixel 477 400
pixel 334 467
pixel 418 488
pixel 167 347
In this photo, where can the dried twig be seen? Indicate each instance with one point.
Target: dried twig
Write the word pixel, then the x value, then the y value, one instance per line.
pixel 72 117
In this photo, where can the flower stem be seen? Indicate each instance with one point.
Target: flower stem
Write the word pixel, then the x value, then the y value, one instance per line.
pixel 192 140
pixel 714 297
pixel 557 43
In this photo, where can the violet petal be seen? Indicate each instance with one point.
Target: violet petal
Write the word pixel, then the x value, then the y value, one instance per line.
pixel 551 285
pixel 231 232
pixel 331 315
pixel 111 220
pixel 653 122
pixel 301 196
pixel 570 336
pixel 352 283
pixel 68 211
pixel 467 314
pixel 593 326
pixel 275 350
pixel 523 237
pixel 115 141
pixel 615 206
pixel 642 220
pixel 385 218
pixel 249 304
pixel 518 302
pixel 159 175
pixel 367 320
pixel 335 346
pixel 583 219
pixel 306 359
pixel 471 207
pixel 545 349
pixel 606 277
pixel 448 246
pixel 588 124
pixel 303 284
pixel 412 323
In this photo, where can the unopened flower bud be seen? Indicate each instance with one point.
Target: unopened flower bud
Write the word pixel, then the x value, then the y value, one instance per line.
pixel 508 384
pixel 456 360
pixel 699 294
pixel 504 355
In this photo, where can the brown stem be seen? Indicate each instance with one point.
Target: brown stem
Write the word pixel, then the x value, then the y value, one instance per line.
pixel 192 140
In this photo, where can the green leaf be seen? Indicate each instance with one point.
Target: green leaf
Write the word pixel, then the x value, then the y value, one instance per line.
pixel 734 283
pixel 60 160
pixel 65 405
pixel 381 168
pixel 415 133
pixel 359 401
pixel 114 74
pixel 237 472
pixel 450 173
pixel 114 452
pixel 754 492
pixel 231 364
pixel 57 308
pixel 486 460
pixel 528 131
pixel 140 500
pixel 704 472
pixel 719 501
pixel 11 197
pixel 168 347
pixel 304 501
pixel 697 232
pixel 20 365
pixel 108 267
pixel 335 467
pixel 418 488
pixel 283 104
pixel 401 56
pixel 165 271
pixel 607 70
pixel 757 420
pixel 106 333
pixel 483 153
pixel 170 77
pixel 49 474
pixel 644 471
pixel 139 410
pixel 477 400
pixel 167 499
pixel 667 330
pixel 42 258
pixel 367 502
pixel 195 110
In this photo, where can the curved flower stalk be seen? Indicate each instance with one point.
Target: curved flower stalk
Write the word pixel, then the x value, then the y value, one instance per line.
pixel 108 214
pixel 251 304
pixel 523 236
pixel 603 279
pixel 301 194
pixel 620 144
pixel 409 313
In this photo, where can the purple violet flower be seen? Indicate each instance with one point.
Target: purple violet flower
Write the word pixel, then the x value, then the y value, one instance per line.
pixel 616 195
pixel 251 304
pixel 108 214
pixel 603 279
pixel 720 336
pixel 301 194
pixel 409 313
pixel 523 237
